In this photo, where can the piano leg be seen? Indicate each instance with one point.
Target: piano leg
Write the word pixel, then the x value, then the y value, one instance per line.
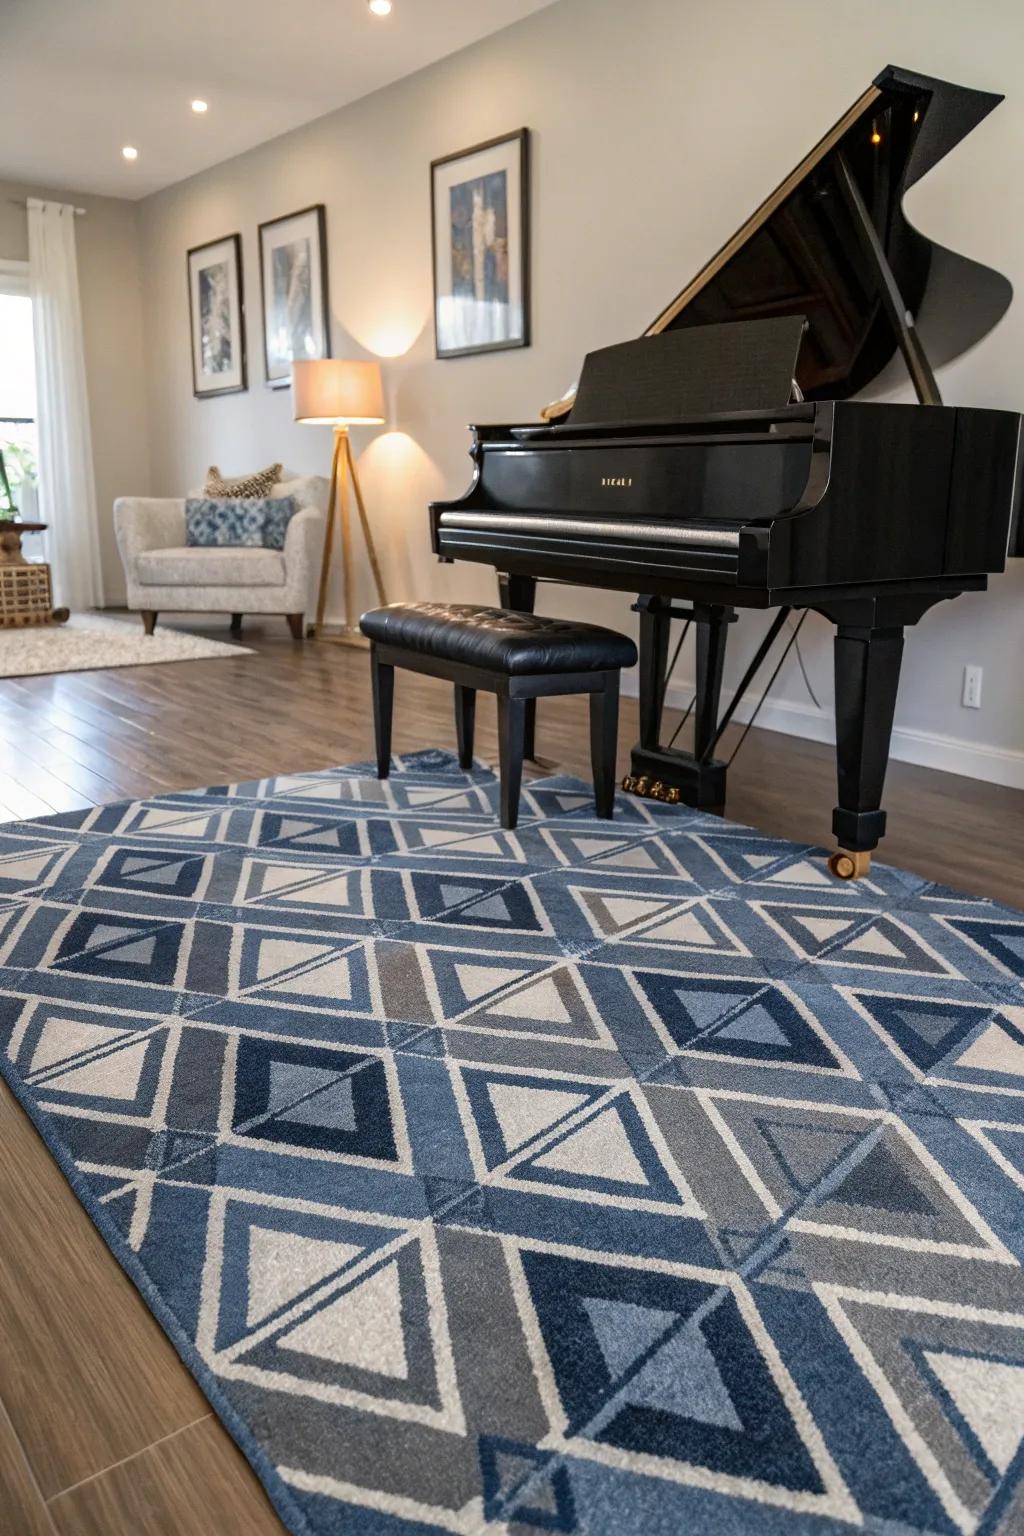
pixel 867 674
pixel 655 624
pixel 712 633
pixel 520 593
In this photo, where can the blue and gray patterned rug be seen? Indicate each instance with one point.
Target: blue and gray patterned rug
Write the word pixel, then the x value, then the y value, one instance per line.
pixel 602 1178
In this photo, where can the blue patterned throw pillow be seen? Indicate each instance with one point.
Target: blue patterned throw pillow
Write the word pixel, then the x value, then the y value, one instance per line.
pixel 255 523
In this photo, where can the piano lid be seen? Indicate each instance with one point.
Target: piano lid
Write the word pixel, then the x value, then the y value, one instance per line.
pixel 803 251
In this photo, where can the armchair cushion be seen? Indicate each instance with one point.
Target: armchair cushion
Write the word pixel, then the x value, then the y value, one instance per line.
pixel 253 522
pixel 211 566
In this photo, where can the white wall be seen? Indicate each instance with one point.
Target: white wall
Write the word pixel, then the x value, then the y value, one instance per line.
pixel 107 241
pixel 657 126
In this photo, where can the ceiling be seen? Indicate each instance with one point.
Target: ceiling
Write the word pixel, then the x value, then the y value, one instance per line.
pixel 81 78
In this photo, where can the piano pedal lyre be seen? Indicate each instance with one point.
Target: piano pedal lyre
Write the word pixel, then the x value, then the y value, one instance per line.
pixel 849 866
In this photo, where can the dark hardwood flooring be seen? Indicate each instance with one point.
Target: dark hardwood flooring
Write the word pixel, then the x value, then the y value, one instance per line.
pixel 102 1431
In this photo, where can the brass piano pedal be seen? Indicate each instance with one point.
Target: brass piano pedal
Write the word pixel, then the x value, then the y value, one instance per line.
pixel 629 784
pixel 657 790
pixel 673 796
pixel 642 785
pixel 849 866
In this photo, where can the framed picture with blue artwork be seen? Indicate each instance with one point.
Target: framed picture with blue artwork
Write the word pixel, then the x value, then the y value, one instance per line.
pixel 217 314
pixel 480 201
pixel 293 275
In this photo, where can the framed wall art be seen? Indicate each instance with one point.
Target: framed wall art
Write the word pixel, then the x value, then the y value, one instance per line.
pixel 217 317
pixel 293 275
pixel 479 201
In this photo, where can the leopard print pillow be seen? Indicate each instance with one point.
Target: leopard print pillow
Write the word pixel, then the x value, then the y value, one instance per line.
pixel 261 483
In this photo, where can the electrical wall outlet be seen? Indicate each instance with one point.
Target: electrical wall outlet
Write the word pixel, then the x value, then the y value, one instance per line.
pixel 970 698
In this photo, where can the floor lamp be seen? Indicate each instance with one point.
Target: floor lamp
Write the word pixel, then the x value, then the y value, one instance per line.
pixel 341 392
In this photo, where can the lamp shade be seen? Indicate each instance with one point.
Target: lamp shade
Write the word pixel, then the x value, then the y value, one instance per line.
pixel 337 389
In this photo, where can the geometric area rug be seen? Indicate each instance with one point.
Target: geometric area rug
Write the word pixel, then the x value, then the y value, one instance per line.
pixel 603 1177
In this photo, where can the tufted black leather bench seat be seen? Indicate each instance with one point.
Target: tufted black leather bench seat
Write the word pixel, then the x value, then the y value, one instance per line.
pixel 518 657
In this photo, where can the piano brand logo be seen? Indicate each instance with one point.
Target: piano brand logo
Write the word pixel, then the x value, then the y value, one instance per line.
pixel 616 479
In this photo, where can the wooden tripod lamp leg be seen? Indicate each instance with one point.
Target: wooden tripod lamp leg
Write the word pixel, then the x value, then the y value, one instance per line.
pixel 325 563
pixel 344 460
pixel 365 522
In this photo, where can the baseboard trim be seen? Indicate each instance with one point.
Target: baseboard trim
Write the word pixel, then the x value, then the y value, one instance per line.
pixel 949 754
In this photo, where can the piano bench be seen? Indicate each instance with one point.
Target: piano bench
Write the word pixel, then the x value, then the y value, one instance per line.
pixel 518 657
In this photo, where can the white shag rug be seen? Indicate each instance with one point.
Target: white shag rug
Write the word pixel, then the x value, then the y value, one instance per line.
pixel 91 641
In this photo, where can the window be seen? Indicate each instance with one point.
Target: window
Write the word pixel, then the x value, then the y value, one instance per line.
pixel 18 440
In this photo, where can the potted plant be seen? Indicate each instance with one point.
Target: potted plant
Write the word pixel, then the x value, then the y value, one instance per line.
pixel 18 482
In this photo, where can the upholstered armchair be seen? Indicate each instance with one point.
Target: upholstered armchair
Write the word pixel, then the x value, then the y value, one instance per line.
pixel 164 574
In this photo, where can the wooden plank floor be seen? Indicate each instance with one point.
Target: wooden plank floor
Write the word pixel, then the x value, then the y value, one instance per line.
pixel 102 1431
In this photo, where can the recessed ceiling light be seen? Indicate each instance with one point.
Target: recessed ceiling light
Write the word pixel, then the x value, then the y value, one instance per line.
pixel 380 7
pixel 199 105
pixel 130 152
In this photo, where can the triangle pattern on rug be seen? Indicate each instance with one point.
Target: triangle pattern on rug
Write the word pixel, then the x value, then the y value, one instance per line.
pixel 750 1020
pixel 524 1112
pixel 609 1154
pixel 509 1469
pixel 315 1098
pixel 1000 940
pixel 116 1075
pixel 467 978
pixel 613 914
pixel 154 872
pixel 332 1108
pixel 362 1327
pixel 282 1265
pixel 509 909
pixel 889 1193
pixel 299 885
pixel 125 950
pixel 998 1049
pixel 684 1380
pixel 989 1395
pixel 922 1029
pixel 20 870
pixel 61 1039
pixel 122 1079
pixel 956 1380
pixel 711 1402
pixel 557 1005
pixel 274 1257
pixel 854 939
pixel 746 858
pixel 625 1331
pixel 300 970
pixel 511 1110
pixel 372 1335
pixel 805 1152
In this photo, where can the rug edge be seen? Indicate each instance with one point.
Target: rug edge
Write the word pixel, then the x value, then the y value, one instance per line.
pixel 281 1499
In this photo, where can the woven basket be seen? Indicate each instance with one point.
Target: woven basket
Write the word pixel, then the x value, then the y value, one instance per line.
pixel 25 596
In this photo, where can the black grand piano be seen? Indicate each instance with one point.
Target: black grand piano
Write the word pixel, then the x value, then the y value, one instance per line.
pixel 720 461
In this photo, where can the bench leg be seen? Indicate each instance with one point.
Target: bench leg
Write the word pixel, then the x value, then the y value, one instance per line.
pixel 604 739
pixel 465 720
pixel 511 736
pixel 383 684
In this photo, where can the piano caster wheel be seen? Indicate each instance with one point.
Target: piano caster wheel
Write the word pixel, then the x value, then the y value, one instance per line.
pixel 849 866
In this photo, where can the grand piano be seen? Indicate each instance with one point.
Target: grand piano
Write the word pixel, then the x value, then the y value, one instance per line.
pixel 721 461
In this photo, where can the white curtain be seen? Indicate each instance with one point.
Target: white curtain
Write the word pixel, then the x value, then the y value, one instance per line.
pixel 67 489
